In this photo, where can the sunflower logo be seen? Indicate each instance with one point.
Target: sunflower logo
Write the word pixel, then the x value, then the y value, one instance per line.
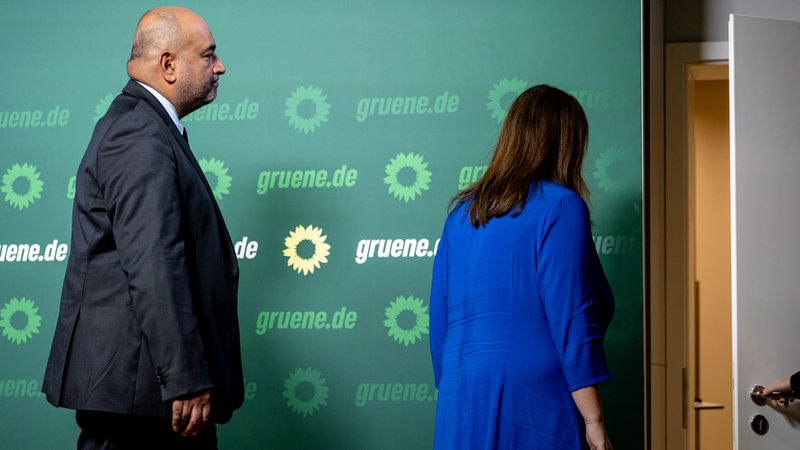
pixel 217 168
pixel 305 391
pixel 611 168
pixel 399 184
pixel 19 320
pixel 306 109
pixel 22 174
pixel 102 106
pixel 402 312
pixel 294 243
pixel 498 103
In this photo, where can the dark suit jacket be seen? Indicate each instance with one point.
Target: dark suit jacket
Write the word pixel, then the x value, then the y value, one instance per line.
pixel 149 302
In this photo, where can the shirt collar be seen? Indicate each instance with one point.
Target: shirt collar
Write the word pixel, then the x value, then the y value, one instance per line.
pixel 173 113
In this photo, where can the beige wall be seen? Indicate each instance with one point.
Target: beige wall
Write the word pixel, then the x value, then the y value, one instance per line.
pixel 712 263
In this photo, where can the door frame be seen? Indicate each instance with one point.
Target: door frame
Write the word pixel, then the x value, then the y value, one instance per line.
pixel 670 275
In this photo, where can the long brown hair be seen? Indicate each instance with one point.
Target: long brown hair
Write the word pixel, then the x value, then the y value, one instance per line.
pixel 544 137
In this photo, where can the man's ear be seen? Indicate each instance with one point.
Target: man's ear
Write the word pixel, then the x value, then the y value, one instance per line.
pixel 167 67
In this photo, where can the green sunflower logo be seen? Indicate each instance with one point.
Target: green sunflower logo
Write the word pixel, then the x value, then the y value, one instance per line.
pixel 305 391
pixel 22 186
pixel 407 319
pixel 19 320
pixel 217 168
pixel 613 170
pixel 399 173
pixel 306 109
pixel 500 94
pixel 102 106
pixel 312 237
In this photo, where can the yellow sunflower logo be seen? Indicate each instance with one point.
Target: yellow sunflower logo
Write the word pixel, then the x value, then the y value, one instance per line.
pixel 305 237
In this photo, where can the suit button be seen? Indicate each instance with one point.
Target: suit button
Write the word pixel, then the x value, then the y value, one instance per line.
pixel 161 377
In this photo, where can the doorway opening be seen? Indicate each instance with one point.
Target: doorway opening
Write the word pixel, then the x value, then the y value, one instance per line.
pixel 710 369
pixel 693 286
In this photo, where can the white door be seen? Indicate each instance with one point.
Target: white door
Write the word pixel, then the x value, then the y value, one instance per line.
pixel 765 226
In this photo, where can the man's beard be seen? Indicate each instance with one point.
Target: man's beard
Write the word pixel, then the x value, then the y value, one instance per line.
pixel 195 94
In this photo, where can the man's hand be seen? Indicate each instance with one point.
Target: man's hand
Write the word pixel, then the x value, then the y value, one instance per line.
pixel 190 414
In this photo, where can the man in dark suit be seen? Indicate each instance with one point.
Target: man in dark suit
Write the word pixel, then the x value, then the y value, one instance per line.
pixel 146 347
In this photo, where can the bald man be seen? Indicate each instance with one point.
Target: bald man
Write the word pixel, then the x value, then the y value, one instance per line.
pixel 146 348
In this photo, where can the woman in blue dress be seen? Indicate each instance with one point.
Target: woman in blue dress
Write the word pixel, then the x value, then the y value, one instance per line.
pixel 519 301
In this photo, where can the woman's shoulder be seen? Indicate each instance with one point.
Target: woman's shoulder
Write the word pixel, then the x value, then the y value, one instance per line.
pixel 552 202
pixel 458 213
pixel 550 193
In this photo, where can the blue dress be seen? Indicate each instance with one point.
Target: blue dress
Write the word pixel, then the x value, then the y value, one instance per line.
pixel 519 309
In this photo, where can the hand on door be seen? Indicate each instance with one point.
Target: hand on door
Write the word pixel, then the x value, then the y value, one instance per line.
pixel 783 391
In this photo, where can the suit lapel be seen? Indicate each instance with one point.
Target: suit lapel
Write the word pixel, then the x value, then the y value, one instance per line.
pixel 134 88
pixel 190 156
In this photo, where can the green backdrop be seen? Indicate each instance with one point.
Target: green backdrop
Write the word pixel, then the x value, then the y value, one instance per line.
pixel 340 133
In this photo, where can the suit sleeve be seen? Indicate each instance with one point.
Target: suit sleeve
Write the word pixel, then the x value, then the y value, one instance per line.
pixel 794 382
pixel 137 173
pixel 438 302
pixel 575 307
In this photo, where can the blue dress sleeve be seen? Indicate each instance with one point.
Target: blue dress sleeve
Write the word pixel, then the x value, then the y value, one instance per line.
pixel 575 302
pixel 438 308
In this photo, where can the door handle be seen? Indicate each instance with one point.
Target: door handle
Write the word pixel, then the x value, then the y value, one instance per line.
pixel 700 404
pixel 761 399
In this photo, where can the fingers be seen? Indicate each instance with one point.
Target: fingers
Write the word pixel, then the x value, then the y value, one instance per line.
pixel 177 415
pixel 189 418
pixel 774 394
pixel 780 385
pixel 781 402
pixel 181 415
pixel 206 413
pixel 596 436
pixel 196 420
pixel 190 415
